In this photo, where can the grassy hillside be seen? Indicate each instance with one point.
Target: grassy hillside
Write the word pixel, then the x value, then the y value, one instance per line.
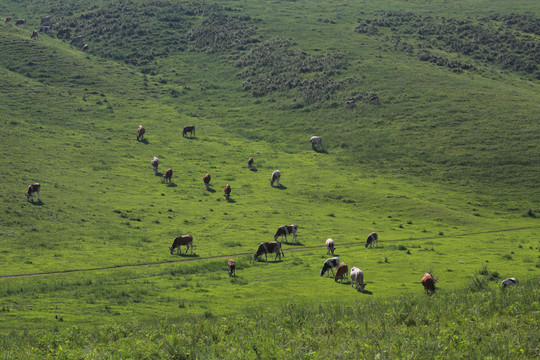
pixel 444 167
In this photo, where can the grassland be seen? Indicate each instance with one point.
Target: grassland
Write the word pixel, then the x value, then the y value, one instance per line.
pixel 445 168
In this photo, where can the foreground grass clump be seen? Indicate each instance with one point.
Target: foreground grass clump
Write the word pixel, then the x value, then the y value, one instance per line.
pixel 493 323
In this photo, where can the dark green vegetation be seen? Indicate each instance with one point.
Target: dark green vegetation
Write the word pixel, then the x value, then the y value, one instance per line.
pixel 445 167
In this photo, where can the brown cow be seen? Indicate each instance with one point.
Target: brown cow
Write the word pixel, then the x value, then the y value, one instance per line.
pixel 269 247
pixel 63 31
pixel 33 188
pixel 189 129
pixel 232 267
pixel 342 272
pixel 20 22
pixel 227 192
pixel 373 99
pixel 8 19
pixel 34 34
pixel 250 162
pixel 206 179
pixel 140 132
pixel 429 283
pixel 77 39
pixel 180 241
pixel 45 19
pixel 167 176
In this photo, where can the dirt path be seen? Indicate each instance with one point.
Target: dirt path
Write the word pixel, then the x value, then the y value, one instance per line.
pixel 245 254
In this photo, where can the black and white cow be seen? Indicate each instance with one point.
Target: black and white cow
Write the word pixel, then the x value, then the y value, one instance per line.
pixel 8 19
pixel 330 264
pixel 189 129
pixel 316 141
pixel 140 132
pixel 33 188
pixel 269 248
pixel 85 47
pixel 20 22
pixel 206 179
pixel 357 277
pixel 250 162
pixel 34 34
pixel 509 282
pixel 45 19
pixel 227 192
pixel 182 240
pixel 167 176
pixel 45 29
pixel 372 239
pixel 330 246
pixel 286 230
pixel 276 175
pixel 155 164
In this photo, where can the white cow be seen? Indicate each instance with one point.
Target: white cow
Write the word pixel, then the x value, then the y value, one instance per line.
pixel 330 246
pixel 316 141
pixel 357 277
pixel 276 175
pixel 155 164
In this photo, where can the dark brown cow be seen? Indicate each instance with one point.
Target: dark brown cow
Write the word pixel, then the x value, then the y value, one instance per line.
pixel 140 132
pixel 85 47
pixel 269 248
pixel 167 176
pixel 33 188
pixel 189 129
pixel 155 164
pixel 206 179
pixel 20 22
pixel 232 267
pixel 250 162
pixel 350 102
pixel 342 272
pixel 373 98
pixel 8 19
pixel 181 241
pixel 227 192
pixel 372 239
pixel 429 283
pixel 34 34
pixel 63 31
pixel 286 230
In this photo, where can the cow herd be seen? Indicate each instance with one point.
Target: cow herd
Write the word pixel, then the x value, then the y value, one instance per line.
pixel 46 28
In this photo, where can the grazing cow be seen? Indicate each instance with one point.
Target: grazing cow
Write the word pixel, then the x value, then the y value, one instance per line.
pixel 20 22
pixel 372 239
pixel 33 188
pixel 45 29
pixel 286 230
pixel 227 192
pixel 341 272
pixel 8 19
pixel 206 179
pixel 155 164
pixel 63 31
pixel 509 282
pixel 167 176
pixel 330 264
pixel 34 34
pixel 140 132
pixel 429 283
pixel 85 47
pixel 269 248
pixel 77 39
pixel 357 277
pixel 373 99
pixel 330 246
pixel 232 267
pixel 316 141
pixel 250 162
pixel 350 102
pixel 180 241
pixel 45 19
pixel 189 129
pixel 276 175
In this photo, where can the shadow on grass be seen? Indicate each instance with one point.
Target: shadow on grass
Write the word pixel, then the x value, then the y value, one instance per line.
pixel 253 169
pixel 144 141
pixel 292 243
pixel 172 185
pixel 280 187
pixel 232 201
pixel 185 255
pixel 320 151
pixel 159 174
pixel 37 203
pixel 191 138
pixel 211 190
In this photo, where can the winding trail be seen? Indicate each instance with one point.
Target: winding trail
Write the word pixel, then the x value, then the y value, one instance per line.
pixel 245 254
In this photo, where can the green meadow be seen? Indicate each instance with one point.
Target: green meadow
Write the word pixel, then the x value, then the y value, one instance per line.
pixel 444 167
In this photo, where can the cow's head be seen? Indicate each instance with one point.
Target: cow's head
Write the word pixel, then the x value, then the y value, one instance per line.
pixel 171 248
pixel 361 287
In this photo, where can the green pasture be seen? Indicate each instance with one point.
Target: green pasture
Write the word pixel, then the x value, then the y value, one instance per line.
pixel 444 167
